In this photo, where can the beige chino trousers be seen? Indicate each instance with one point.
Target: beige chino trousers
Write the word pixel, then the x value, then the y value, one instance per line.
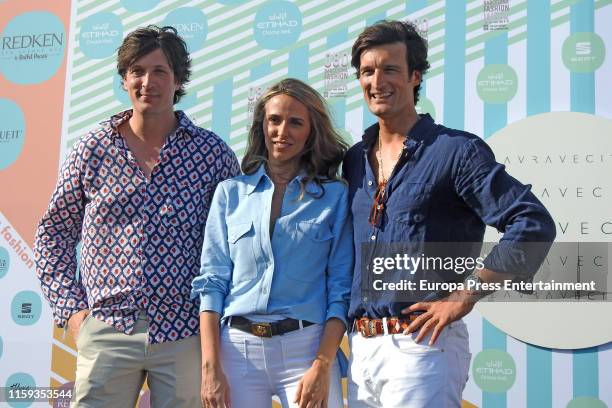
pixel 112 367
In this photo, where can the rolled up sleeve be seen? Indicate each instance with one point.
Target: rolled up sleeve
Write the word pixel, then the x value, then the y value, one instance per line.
pixel 506 204
pixel 212 285
pixel 340 264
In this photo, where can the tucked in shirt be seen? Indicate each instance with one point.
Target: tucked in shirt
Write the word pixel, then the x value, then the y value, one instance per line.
pixel 303 271
pixel 141 239
pixel 445 188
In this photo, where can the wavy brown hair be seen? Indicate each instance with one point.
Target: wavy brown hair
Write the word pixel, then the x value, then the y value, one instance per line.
pixel 392 31
pixel 144 40
pixel 324 148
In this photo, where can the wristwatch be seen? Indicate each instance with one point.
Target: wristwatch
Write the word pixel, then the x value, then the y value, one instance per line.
pixel 475 283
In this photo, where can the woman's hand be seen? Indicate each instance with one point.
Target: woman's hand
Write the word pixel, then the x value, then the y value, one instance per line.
pixel 313 388
pixel 215 391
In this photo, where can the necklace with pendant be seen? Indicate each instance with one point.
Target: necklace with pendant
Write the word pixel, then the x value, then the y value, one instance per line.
pixel 378 206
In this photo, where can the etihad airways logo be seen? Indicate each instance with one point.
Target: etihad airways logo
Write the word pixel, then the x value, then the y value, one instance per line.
pixel 277 21
pixel 100 31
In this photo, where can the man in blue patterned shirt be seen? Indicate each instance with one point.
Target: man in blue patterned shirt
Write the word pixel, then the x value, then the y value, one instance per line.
pixel 136 193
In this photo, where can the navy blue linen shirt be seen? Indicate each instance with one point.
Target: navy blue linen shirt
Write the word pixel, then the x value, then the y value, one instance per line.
pixel 445 188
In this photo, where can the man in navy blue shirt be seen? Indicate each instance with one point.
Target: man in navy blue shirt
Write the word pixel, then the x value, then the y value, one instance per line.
pixel 412 181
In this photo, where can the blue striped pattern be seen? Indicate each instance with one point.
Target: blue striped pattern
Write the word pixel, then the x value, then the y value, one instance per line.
pixel 586 371
pixel 495 115
pixel 493 338
pixel 414 5
pixel 368 118
pixel 338 106
pixel 539 377
pixel 582 83
pixel 538 57
pixel 222 109
pixel 539 360
pixel 298 63
pixel 454 65
pixel 261 70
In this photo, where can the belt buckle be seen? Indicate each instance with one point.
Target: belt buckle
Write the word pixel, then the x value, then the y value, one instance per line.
pixel 261 329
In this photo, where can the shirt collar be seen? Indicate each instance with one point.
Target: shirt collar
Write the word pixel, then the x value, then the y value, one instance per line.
pixel 417 133
pixel 254 179
pixel 185 127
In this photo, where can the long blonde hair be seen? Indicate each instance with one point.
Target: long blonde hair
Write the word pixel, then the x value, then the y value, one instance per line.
pixel 324 148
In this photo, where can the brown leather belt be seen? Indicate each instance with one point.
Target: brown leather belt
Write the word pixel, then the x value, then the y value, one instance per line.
pixel 376 327
pixel 267 329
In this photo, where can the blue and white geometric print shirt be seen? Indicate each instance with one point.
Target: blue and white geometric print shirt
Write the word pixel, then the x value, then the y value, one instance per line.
pixel 141 239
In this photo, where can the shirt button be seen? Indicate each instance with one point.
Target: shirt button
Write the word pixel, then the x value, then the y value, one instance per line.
pixel 373 237
pixel 264 290
pixel 370 182
pixel 418 217
pixel 365 298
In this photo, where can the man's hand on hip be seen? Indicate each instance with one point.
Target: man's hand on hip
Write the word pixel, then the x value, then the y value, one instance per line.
pixel 437 315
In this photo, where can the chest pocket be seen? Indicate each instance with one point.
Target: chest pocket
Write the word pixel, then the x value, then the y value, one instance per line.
pixel 312 246
pixel 241 242
pixel 408 211
pixel 314 231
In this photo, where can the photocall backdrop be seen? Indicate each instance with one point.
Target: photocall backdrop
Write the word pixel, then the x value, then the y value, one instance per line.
pixel 529 76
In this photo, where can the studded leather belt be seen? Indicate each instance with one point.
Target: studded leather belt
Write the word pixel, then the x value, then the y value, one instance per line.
pixel 387 325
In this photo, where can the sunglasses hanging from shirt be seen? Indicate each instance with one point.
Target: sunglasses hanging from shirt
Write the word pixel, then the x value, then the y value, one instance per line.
pixel 378 205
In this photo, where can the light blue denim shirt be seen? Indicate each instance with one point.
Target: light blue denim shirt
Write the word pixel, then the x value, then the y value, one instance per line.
pixel 303 272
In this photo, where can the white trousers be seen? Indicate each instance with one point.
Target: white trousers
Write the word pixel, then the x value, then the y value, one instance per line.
pixel 258 368
pixel 394 371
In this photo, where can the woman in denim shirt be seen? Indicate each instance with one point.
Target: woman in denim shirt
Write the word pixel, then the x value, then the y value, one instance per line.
pixel 276 262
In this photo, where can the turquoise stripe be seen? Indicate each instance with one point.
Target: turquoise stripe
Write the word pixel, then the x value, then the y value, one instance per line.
pixel 582 84
pixel 582 92
pixel 538 57
pixel 261 70
pixel 368 118
pixel 375 17
pixel 338 112
pixel 454 65
pixel 337 37
pixel 222 108
pixel 298 63
pixel 586 372
pixel 539 377
pixel 493 338
pixel 495 118
pixel 414 5
pixel 495 114
pixel 338 106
